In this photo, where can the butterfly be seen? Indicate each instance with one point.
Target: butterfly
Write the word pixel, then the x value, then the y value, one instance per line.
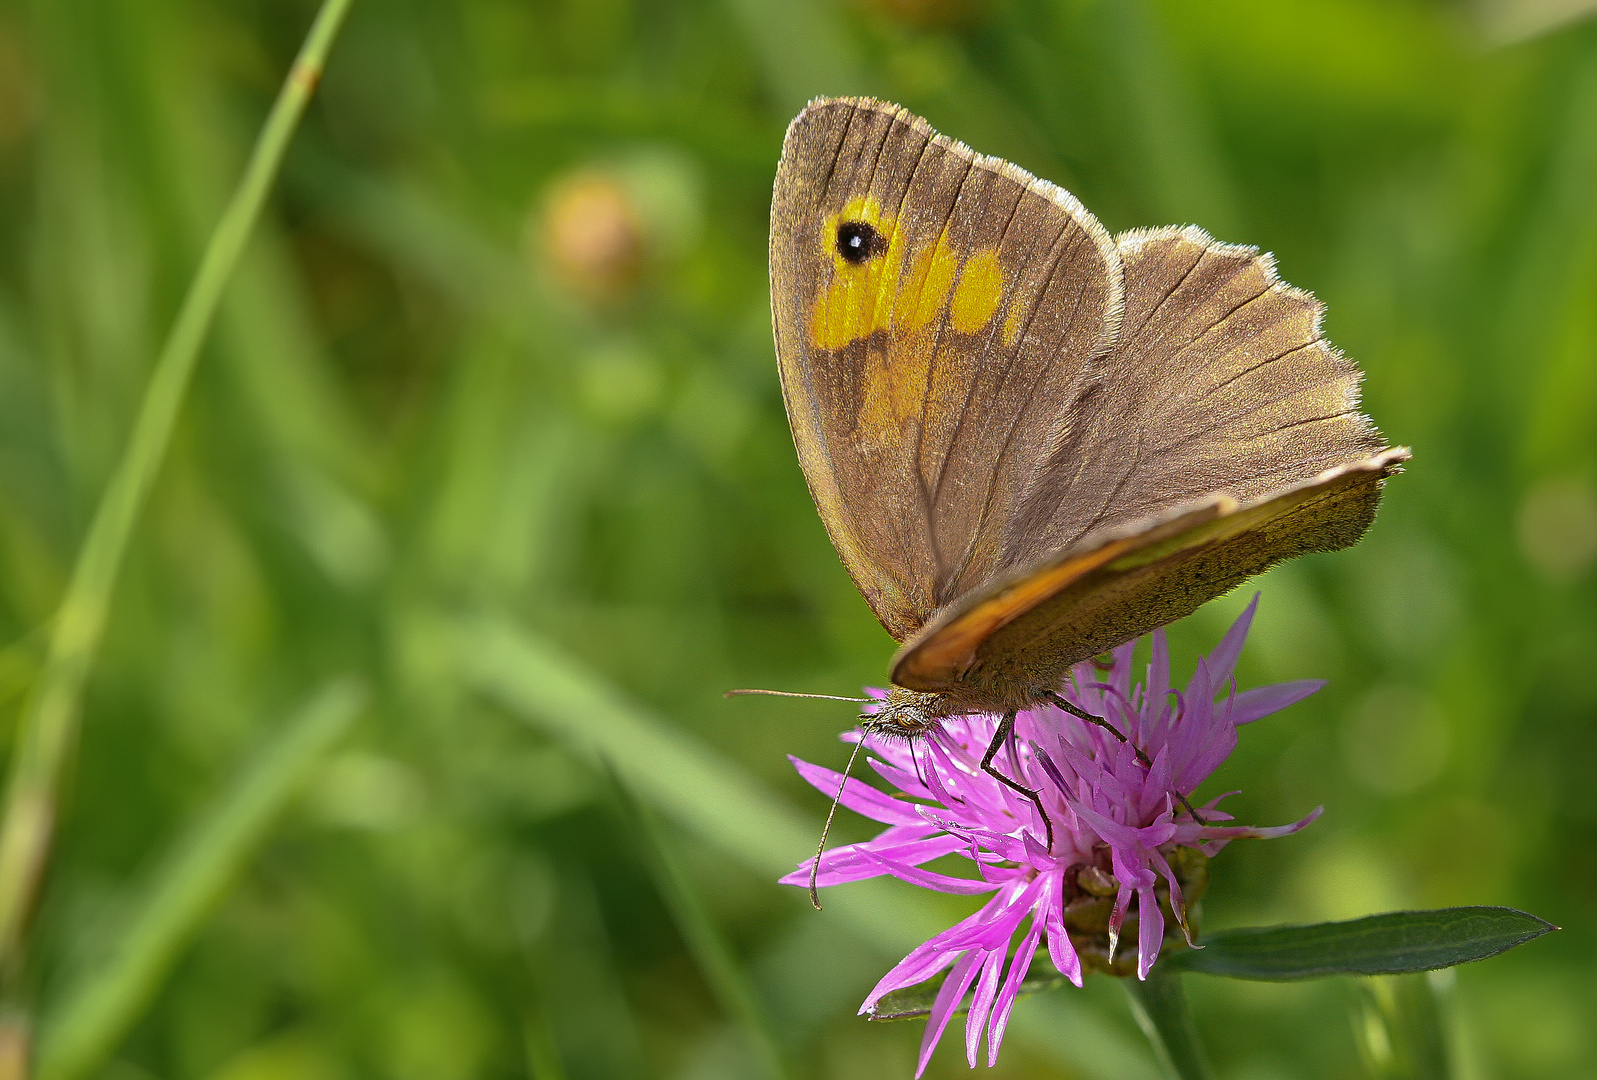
pixel 1031 441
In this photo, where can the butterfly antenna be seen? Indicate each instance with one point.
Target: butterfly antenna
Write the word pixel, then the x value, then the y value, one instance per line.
pixel 815 864
pixel 790 693
pixel 1142 758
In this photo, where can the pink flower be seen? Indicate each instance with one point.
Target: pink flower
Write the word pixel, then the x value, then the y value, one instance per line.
pixel 1123 845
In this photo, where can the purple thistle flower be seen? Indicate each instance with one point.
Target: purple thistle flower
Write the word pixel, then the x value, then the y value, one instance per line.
pixel 1120 834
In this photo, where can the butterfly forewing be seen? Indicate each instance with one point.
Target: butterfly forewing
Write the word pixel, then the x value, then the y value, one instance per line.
pixel 1223 438
pixel 936 315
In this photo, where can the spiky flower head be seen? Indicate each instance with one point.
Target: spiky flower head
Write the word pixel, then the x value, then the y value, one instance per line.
pixel 1125 851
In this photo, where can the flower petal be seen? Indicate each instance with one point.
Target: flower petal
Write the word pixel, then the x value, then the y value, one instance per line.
pixel 858 796
pixel 941 772
pixel 996 922
pixel 981 1002
pixel 1060 949
pixel 926 879
pixel 1251 705
pixel 1150 931
pixel 1117 918
pixel 1158 689
pixel 948 998
pixel 903 779
pixel 1223 660
pixel 1206 741
pixel 923 961
pixel 1254 832
pixel 1120 668
pixel 1018 967
pixel 845 864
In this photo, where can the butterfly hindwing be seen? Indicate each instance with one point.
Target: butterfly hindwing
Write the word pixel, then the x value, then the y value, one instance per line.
pixel 1219 381
pixel 1224 437
pixel 1024 631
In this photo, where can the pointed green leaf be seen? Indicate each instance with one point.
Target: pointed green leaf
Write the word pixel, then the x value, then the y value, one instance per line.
pixel 1389 944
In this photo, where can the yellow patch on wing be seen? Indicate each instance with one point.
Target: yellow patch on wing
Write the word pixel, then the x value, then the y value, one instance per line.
pixel 894 392
pixel 980 291
pixel 925 288
pixel 903 291
pixel 1012 321
pixel 859 298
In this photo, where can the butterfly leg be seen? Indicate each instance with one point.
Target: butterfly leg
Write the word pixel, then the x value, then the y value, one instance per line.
pixel 1142 758
pixel 1006 728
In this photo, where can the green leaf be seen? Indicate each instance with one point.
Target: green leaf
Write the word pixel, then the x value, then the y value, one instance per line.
pixel 1160 1006
pixel 1389 944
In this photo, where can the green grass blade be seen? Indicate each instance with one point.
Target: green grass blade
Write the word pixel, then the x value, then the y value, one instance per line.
pixel 1160 1006
pixel 95 1014
pixel 693 786
pixel 1391 944
pixel 50 718
pixel 542 1054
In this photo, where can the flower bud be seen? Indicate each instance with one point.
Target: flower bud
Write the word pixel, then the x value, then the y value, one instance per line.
pixel 592 236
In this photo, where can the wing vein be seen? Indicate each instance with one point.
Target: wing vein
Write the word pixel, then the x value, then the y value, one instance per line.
pixel 948 453
pixel 1227 317
pixel 1217 387
pixel 1014 424
pixel 927 502
pixel 1182 280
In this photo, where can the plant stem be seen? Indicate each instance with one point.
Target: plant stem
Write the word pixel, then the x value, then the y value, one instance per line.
pixel 1160 1005
pixel 49 723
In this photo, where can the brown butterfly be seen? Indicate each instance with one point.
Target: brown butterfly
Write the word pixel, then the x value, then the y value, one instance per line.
pixel 1030 441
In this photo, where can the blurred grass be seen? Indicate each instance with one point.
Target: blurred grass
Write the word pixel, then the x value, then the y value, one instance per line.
pixel 86 1024
pixel 720 968
pixel 47 728
pixel 442 439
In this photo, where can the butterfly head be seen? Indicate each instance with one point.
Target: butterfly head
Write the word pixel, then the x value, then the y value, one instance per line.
pixel 906 714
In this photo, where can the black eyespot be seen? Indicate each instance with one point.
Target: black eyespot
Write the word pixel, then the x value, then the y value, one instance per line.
pixel 858 242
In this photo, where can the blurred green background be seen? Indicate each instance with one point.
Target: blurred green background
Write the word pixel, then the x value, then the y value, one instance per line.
pixel 490 419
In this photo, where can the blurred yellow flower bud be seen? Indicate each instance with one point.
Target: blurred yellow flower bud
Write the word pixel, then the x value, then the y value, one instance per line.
pixel 592 235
